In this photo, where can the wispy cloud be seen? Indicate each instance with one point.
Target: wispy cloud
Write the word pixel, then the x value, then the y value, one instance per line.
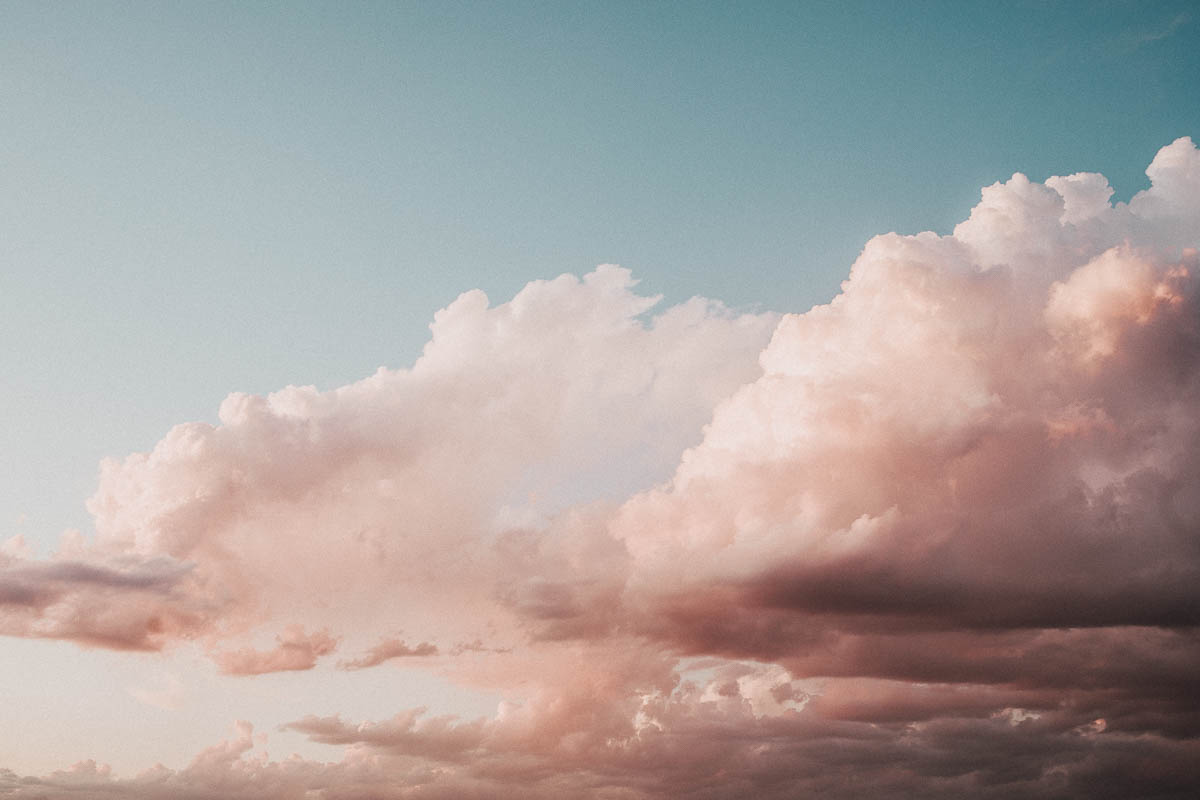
pixel 1134 40
pixel 387 650
pixel 295 650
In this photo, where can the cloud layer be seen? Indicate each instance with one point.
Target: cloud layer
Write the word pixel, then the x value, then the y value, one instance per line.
pixel 937 538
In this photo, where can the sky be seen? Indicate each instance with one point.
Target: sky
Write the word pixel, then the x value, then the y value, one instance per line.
pixel 599 400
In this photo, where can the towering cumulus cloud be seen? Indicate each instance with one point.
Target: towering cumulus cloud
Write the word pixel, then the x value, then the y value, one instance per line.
pixel 937 538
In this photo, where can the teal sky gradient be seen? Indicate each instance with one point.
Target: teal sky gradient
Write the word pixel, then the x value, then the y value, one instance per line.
pixel 204 198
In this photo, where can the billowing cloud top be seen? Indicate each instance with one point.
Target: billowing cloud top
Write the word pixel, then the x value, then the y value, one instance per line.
pixel 939 537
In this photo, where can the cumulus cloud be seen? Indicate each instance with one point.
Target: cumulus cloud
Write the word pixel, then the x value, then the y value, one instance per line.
pixel 939 537
pixel 992 430
pixel 386 486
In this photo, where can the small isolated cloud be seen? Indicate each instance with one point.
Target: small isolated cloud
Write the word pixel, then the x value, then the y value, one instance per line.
pixel 387 650
pixel 295 651
pixel 476 646
pixel 1166 31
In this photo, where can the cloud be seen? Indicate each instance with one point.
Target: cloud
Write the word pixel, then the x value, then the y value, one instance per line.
pixel 1136 40
pixel 701 740
pixel 936 538
pixel 386 650
pixel 387 485
pixel 295 651
pixel 117 602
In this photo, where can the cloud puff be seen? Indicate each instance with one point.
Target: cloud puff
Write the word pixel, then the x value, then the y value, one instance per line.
pixel 295 650
pixel 386 650
pixel 936 538
pixel 989 431
pixel 391 484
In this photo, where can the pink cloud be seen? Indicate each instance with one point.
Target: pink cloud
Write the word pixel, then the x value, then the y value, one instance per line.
pixel 386 650
pixel 387 485
pixel 120 603
pixel 296 650
pixel 936 538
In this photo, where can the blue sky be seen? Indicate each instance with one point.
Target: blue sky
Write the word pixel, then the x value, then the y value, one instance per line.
pixel 207 198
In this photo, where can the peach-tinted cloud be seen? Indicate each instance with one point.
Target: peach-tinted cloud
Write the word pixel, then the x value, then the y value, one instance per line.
pixel 937 538
pixel 386 650
pixel 386 486
pixel 295 650
pixel 122 603
pixel 699 740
